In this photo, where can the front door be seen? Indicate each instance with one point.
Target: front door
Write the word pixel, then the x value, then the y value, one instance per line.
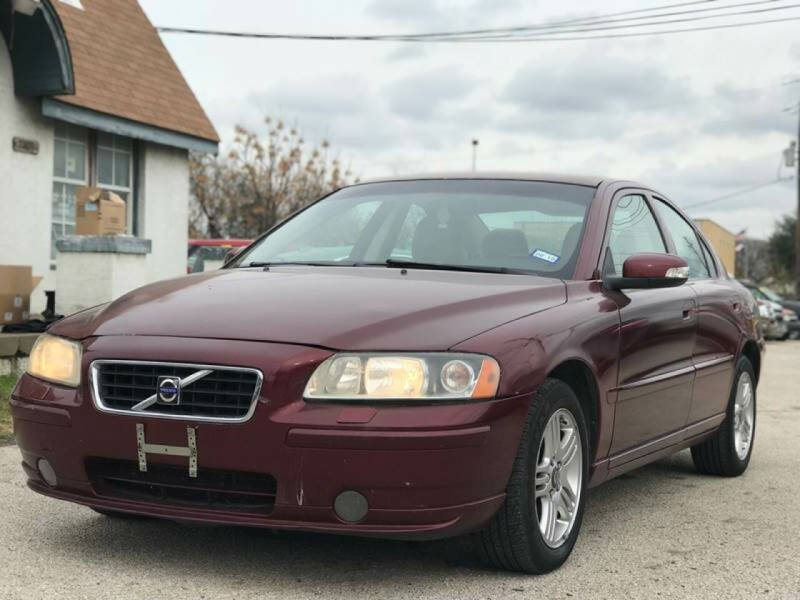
pixel 657 335
pixel 718 332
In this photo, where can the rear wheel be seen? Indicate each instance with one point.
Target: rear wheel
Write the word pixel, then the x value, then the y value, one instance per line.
pixel 535 529
pixel 728 451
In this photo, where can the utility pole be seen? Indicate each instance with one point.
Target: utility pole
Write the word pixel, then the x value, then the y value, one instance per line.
pixel 797 222
pixel 474 154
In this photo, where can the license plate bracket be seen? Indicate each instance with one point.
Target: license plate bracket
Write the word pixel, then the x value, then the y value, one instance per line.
pixel 143 448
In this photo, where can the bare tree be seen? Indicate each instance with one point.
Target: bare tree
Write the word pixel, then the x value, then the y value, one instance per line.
pixel 259 182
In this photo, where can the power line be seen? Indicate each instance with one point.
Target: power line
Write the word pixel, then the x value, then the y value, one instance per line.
pixel 561 23
pixel 739 192
pixel 546 32
pixel 396 37
pixel 693 19
pixel 645 33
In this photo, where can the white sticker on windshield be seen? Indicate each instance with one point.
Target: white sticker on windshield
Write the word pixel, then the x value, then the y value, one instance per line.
pixel 545 256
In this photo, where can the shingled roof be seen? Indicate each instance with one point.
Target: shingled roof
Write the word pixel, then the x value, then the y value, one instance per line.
pixel 122 68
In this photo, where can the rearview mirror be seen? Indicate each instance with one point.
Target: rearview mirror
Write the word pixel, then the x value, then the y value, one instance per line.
pixel 648 271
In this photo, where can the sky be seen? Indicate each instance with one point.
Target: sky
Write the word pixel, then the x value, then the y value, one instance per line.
pixel 697 115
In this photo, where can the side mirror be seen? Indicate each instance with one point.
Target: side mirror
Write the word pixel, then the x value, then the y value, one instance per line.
pixel 648 271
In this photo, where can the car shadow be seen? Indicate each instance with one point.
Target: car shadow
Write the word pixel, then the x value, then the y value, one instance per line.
pixel 237 556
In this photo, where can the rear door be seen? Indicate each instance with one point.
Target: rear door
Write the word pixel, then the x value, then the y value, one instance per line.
pixel 718 308
pixel 656 339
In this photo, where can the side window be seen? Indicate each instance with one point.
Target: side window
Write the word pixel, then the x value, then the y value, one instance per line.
pixel 633 230
pixel 687 244
pixel 709 260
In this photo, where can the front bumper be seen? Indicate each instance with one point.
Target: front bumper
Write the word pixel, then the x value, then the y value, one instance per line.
pixel 426 471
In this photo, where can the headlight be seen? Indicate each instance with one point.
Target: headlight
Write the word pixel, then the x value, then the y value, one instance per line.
pixel 439 376
pixel 56 359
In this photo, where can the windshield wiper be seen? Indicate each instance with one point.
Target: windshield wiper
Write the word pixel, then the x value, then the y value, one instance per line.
pixel 410 264
pixel 253 264
pixel 294 264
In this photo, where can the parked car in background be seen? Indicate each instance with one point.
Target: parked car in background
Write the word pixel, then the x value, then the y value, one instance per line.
pixel 791 310
pixel 485 349
pixel 209 255
pixel 779 320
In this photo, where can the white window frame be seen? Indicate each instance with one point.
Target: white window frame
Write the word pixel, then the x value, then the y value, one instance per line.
pixel 128 191
pixel 67 139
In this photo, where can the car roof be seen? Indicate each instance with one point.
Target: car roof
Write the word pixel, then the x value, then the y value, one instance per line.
pixel 587 180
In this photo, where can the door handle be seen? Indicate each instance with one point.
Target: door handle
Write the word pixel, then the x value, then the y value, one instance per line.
pixel 688 310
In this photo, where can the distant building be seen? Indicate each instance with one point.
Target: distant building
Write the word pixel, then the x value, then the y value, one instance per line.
pixel 89 95
pixel 722 240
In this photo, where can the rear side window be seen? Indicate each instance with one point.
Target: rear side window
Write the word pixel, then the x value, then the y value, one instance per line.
pixel 687 244
pixel 709 260
pixel 633 230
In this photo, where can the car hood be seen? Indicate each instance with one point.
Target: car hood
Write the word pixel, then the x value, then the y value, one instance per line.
pixel 343 308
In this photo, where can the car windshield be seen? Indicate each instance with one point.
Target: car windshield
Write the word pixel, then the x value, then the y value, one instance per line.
pixel 771 295
pixel 491 225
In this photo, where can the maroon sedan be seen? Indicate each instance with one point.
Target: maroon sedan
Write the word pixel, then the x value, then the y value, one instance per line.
pixel 414 358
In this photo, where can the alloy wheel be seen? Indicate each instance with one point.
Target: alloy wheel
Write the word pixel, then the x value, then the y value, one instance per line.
pixel 558 478
pixel 743 416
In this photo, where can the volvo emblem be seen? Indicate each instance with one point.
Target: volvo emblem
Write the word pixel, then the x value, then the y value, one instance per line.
pixel 169 390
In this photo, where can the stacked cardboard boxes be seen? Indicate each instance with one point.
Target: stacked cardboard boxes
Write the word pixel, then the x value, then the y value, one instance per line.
pixel 98 212
pixel 16 285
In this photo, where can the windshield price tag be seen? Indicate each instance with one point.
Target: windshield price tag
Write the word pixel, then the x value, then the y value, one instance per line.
pixel 545 256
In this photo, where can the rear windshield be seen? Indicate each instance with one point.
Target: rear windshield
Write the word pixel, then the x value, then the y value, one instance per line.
pixel 523 226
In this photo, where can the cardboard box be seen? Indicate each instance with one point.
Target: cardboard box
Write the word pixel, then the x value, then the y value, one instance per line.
pixel 16 285
pixel 99 212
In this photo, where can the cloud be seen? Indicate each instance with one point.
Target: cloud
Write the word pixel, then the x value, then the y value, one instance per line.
pixel 407 51
pixel 421 95
pixel 587 96
pixel 720 176
pixel 414 11
pixel 747 111
pixel 593 84
pixel 435 15
pixel 347 94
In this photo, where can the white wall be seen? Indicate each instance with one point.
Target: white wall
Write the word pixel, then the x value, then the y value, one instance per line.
pixel 26 184
pixel 164 208
pixel 86 279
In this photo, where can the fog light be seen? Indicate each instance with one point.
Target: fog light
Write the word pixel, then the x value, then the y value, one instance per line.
pixel 47 472
pixel 350 506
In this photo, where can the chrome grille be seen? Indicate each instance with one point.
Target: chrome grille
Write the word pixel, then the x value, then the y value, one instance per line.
pixel 213 393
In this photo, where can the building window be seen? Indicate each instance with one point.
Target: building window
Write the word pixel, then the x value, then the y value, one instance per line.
pixel 115 164
pixel 70 171
pixel 109 165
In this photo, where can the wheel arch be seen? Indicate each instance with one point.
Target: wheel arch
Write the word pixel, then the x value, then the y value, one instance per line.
pixel 579 376
pixel 752 353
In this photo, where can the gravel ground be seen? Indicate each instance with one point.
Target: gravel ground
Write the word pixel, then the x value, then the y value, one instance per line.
pixel 662 531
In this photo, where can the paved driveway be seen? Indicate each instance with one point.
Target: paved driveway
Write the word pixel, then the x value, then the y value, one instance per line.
pixel 660 531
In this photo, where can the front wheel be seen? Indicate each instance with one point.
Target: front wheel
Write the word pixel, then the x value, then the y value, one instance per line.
pixel 535 529
pixel 728 451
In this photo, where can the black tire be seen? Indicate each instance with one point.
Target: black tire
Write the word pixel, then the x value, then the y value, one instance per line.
pixel 717 455
pixel 512 540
